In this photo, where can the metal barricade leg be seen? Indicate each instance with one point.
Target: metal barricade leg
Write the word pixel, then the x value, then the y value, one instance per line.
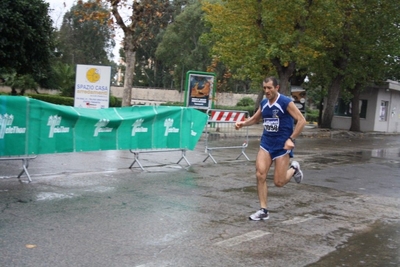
pixel 183 157
pixel 25 165
pixel 210 156
pixel 136 156
pixel 136 159
pixel 244 154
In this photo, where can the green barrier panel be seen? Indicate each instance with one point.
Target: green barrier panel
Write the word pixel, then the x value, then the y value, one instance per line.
pixel 136 128
pixel 30 127
pixel 13 126
pixel 50 128
pixel 96 129
pixel 166 134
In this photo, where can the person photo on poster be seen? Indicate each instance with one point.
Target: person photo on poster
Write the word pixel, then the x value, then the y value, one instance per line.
pixel 200 88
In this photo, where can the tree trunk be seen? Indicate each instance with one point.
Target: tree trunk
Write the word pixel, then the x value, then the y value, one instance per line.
pixel 260 97
pixel 129 72
pixel 284 74
pixel 333 94
pixel 13 91
pixel 321 110
pixel 129 49
pixel 355 108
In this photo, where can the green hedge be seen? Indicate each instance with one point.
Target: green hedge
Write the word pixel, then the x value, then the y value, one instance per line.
pixel 312 115
pixel 54 99
pixel 246 101
pixel 175 104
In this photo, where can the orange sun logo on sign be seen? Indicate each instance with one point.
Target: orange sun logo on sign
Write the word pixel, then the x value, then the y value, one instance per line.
pixel 93 75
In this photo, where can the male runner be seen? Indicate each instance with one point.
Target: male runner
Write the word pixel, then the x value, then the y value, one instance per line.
pixel 278 114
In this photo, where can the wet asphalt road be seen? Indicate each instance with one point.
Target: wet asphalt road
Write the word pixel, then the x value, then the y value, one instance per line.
pixel 90 209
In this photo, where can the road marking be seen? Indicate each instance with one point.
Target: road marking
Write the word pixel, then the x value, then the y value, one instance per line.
pixel 297 220
pixel 241 238
pixel 50 196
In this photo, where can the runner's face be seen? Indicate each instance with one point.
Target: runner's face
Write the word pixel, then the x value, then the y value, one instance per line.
pixel 271 92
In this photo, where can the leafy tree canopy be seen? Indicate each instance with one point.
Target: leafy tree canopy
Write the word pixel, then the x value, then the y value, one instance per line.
pixel 259 38
pixel 86 41
pixel 181 48
pixel 361 49
pixel 25 36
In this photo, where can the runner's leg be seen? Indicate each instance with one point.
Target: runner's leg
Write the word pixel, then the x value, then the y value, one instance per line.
pixel 263 163
pixel 282 174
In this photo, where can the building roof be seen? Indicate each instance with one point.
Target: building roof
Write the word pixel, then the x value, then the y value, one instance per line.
pixel 393 85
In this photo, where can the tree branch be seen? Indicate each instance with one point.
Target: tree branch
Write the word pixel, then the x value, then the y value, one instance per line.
pixel 117 16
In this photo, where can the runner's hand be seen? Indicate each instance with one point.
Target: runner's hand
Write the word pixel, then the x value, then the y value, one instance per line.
pixel 238 125
pixel 289 145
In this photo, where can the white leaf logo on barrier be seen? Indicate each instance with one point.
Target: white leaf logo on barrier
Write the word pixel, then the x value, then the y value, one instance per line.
pixel 168 127
pixel 137 127
pixel 6 122
pixel 101 127
pixel 54 123
pixel 193 133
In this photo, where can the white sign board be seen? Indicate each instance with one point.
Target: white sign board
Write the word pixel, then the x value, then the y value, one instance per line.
pixel 92 86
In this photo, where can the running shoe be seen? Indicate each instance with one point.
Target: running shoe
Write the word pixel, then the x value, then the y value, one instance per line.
pixel 298 174
pixel 261 214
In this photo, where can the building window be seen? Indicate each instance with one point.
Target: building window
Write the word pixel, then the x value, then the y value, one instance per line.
pixel 343 108
pixel 383 111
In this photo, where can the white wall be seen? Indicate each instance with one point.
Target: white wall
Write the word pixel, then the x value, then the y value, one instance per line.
pixel 381 126
pixel 162 95
pixel 394 112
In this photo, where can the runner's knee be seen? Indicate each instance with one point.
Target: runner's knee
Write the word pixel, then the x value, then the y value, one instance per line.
pixel 261 176
pixel 279 183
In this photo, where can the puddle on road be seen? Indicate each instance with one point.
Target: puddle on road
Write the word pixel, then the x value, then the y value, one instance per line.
pixel 376 248
pixel 387 156
pixel 389 153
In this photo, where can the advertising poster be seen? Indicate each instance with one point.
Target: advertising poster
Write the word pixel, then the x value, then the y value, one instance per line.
pixel 200 89
pixel 92 86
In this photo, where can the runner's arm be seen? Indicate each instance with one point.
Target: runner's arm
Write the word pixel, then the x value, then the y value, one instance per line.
pixel 250 121
pixel 300 123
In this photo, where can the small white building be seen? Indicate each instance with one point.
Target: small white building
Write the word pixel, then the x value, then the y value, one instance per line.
pixel 379 110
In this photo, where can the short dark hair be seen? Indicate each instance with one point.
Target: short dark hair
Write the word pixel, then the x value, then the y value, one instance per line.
pixel 274 80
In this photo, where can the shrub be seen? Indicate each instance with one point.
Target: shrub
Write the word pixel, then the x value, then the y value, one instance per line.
pixel 54 99
pixel 178 104
pixel 245 102
pixel 115 101
pixel 312 115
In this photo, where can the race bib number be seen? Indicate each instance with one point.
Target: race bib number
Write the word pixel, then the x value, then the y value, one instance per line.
pixel 271 124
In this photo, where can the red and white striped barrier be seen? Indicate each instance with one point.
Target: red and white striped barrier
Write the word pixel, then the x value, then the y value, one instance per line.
pixel 220 127
pixel 226 116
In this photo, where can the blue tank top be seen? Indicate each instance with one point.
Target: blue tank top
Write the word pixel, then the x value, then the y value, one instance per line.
pixel 277 122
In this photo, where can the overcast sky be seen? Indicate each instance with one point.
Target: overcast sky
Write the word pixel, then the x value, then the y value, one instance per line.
pixel 59 7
